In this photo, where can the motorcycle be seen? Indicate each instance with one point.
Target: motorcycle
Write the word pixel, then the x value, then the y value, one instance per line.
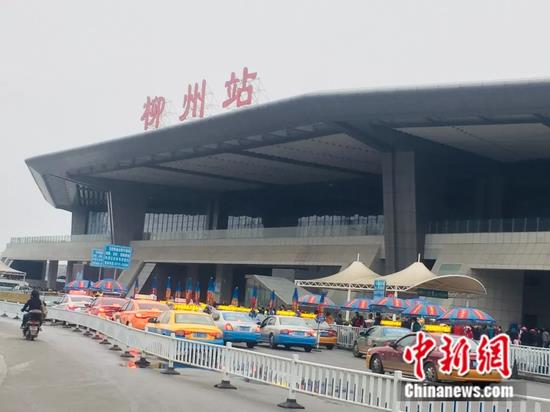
pixel 32 327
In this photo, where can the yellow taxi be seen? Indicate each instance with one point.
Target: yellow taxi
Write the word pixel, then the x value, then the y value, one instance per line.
pixel 136 312
pixel 186 324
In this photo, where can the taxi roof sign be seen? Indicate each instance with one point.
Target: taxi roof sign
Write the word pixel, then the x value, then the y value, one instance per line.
pixel 145 297
pixel 78 292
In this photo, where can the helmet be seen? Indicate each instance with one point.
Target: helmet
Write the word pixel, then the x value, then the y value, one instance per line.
pixel 35 294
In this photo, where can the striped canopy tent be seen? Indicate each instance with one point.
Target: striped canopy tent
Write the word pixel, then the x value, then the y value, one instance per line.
pixel 109 286
pixel 425 310
pixel 78 285
pixel 466 315
pixel 388 304
pixel 312 299
pixel 357 304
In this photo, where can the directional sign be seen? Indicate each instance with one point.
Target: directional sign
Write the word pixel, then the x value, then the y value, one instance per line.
pixel 379 289
pixel 96 259
pixel 116 256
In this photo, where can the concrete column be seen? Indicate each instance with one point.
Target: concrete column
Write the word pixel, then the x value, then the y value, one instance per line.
pixel 127 212
pixel 224 282
pixel 79 221
pixel 403 228
pixel 70 268
pixel 51 278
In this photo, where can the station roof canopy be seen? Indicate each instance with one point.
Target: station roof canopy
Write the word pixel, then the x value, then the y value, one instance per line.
pixel 356 276
pixel 318 137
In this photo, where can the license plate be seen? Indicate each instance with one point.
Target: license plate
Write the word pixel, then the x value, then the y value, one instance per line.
pixel 323 334
pixel 244 328
pixel 199 335
pixel 299 332
pixel 34 328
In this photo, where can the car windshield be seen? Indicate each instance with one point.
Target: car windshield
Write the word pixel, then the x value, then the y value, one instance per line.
pixel 395 332
pixel 152 305
pixel 110 301
pixel 289 321
pixel 194 319
pixel 237 317
pixel 81 298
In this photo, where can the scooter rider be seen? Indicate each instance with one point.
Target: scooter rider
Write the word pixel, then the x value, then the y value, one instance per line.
pixel 34 303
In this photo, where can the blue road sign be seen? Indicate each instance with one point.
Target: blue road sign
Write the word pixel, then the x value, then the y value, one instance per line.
pixel 379 289
pixel 116 256
pixel 97 258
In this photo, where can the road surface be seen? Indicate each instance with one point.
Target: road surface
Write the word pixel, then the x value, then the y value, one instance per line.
pixel 65 371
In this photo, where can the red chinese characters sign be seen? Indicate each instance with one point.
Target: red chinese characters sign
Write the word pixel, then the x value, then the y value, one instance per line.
pixel 239 90
pixel 152 112
pixel 458 354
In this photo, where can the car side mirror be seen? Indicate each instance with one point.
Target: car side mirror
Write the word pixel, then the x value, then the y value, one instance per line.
pixel 57 302
pixel 216 316
pixel 363 333
pixel 392 345
pixel 153 320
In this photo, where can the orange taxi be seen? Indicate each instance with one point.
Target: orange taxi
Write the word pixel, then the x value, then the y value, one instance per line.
pixel 136 312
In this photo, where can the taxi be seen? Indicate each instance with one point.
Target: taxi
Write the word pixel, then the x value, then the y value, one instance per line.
pixel 105 306
pixel 185 324
pixel 136 312
pixel 327 335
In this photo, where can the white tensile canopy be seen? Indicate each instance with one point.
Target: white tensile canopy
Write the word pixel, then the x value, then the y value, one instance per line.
pixel 359 277
pixel 355 276
pixel 418 275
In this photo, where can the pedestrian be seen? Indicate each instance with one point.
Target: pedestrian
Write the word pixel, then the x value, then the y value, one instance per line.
pixel 468 332
pixel 339 320
pixel 476 332
pixel 328 318
pixel 524 337
pixel 377 318
pixel 369 321
pixel 545 338
pixel 415 325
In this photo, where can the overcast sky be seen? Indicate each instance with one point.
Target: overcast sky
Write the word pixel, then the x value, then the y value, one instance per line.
pixel 78 72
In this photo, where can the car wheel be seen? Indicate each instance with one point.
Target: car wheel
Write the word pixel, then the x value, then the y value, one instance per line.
pixel 250 345
pixel 287 347
pixel 355 351
pixel 430 372
pixel 308 348
pixel 330 347
pixel 376 364
pixel 272 342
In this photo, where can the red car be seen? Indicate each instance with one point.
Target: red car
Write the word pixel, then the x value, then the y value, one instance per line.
pixel 106 306
pixel 390 358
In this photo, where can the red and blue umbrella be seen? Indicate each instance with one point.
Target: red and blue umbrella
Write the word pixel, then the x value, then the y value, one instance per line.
pixel 321 304
pixel 78 285
pixel 168 293
pixel 312 299
pixel 197 292
pixel 388 304
pixel 467 315
pixel 109 286
pixel 411 303
pixel 178 290
pixel 189 290
pixel 425 310
pixel 235 297
pixel 254 297
pixel 210 291
pixel 357 304
pixel 295 300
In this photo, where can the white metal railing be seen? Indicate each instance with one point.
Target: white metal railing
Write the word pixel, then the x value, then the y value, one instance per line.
pixel 59 239
pixel 532 360
pixel 266 233
pixel 346 335
pixel 380 392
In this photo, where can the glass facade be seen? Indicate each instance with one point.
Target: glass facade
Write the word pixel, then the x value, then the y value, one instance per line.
pixel 168 222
